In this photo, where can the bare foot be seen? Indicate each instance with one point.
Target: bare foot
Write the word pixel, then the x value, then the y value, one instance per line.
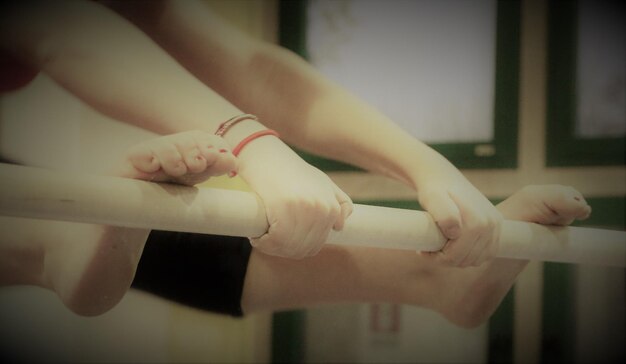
pixel 186 158
pixel 91 267
pixel 469 296
pixel 546 204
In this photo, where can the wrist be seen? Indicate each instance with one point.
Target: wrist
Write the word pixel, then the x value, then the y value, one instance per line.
pixel 430 166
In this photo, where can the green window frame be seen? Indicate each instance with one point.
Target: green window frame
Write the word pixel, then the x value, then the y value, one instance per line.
pixel 502 150
pixel 563 147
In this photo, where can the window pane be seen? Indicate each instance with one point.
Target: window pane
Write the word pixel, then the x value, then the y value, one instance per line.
pixel 601 69
pixel 429 65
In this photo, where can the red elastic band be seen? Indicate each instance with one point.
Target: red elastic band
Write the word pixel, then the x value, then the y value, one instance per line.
pixel 223 128
pixel 251 137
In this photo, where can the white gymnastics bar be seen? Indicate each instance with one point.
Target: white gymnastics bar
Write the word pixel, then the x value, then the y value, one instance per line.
pixel 44 194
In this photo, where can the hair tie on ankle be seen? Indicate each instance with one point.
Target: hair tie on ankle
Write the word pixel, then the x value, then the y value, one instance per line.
pixel 223 128
pixel 251 137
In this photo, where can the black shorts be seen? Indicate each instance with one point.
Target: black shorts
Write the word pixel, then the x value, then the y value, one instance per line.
pixel 198 270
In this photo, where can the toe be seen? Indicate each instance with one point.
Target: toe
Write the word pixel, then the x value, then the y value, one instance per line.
pixel 170 159
pixel 220 159
pixel 143 159
pixel 195 161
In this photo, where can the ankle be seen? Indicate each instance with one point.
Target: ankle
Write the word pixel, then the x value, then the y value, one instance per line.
pixel 476 294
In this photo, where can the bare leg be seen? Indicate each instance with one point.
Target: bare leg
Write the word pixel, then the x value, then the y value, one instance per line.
pixel 475 293
pixel 89 266
pixel 465 296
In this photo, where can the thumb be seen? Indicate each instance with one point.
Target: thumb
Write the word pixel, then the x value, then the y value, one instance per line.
pixel 346 205
pixel 444 211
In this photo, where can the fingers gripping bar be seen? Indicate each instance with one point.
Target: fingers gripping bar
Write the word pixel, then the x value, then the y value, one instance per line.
pixel 44 194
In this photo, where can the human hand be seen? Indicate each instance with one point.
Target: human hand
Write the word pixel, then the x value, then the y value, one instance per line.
pixel 466 218
pixel 301 202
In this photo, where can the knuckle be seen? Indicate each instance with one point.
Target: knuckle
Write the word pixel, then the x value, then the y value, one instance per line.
pixel 303 202
pixel 447 222
pixel 315 206
pixel 323 208
pixel 492 223
pixel 334 211
pixel 480 223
